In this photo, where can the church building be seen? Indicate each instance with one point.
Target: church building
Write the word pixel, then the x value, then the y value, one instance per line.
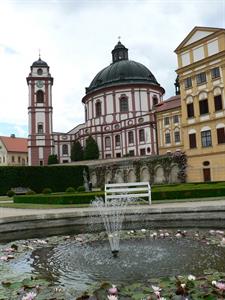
pixel 126 114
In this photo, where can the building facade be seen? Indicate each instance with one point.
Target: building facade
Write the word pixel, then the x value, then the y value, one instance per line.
pixel 201 70
pixel 127 116
pixel 13 151
pixel 119 108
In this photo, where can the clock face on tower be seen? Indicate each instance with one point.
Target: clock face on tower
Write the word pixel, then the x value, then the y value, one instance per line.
pixel 39 83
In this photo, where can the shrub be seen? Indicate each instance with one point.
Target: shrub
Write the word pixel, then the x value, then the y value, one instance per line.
pixel 47 191
pixel 70 190
pixel 81 188
pixel 53 159
pixel 10 193
pixel 78 198
pixel 77 151
pixel 30 192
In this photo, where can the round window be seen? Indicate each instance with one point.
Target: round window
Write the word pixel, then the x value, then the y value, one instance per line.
pixel 206 163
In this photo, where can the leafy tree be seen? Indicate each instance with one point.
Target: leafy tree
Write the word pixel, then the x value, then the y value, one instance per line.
pixel 77 152
pixel 52 159
pixel 91 150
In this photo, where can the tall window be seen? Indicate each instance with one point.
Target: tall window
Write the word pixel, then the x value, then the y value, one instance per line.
pixel 40 128
pixel 130 137
pixel 221 135
pixel 176 119
pixel 64 149
pixel 201 78
pixel 155 100
pixel 177 136
pixel 166 121
pixel 124 104
pixel 98 109
pixel 218 103
pixel 203 107
pixel 141 135
pixel 13 159
pixel 190 110
pixel 142 151
pixel 215 73
pixel 40 96
pixel 117 140
pixel 192 140
pixel 167 138
pixel 206 138
pixel 187 83
pixel 107 142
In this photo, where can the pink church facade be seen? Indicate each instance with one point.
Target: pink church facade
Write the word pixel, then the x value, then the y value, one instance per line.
pixel 119 112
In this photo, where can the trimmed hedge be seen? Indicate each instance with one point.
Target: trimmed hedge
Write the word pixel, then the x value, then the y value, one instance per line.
pixel 58 178
pixel 83 198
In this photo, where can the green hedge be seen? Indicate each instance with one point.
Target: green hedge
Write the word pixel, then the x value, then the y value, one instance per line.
pixel 78 198
pixel 82 198
pixel 57 178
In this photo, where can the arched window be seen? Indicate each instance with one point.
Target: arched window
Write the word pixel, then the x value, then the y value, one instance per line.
pixel 40 128
pixel 64 149
pixel 123 104
pixel 107 142
pixel 98 109
pixel 117 140
pixel 40 96
pixel 130 137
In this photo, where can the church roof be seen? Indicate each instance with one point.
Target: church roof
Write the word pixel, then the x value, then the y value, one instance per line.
pixel 39 63
pixel 14 144
pixel 122 71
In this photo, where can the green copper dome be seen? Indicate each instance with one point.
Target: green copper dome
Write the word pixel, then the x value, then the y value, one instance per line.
pixel 122 71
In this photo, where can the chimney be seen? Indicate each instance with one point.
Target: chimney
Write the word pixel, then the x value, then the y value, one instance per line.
pixel 12 135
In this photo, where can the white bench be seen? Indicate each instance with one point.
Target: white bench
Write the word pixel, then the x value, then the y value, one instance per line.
pixel 129 190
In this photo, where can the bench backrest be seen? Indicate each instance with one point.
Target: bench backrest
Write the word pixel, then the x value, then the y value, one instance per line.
pixel 129 190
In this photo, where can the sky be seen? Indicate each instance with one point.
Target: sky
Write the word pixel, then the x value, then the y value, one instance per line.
pixel 76 37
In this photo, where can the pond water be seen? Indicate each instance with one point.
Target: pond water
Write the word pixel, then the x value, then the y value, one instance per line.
pixel 76 265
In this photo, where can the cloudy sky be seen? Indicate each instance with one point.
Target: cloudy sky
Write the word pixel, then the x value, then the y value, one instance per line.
pixel 76 37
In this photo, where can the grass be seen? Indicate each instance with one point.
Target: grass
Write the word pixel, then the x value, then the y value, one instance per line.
pixel 5 198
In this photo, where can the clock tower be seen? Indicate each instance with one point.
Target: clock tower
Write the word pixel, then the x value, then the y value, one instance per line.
pixel 40 139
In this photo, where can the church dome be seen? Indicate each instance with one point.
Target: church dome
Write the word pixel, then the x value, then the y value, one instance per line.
pixel 39 63
pixel 122 71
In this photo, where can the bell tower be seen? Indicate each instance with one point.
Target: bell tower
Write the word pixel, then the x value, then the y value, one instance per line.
pixel 40 139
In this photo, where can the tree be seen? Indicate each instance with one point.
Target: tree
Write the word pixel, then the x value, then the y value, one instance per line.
pixel 52 159
pixel 91 150
pixel 77 152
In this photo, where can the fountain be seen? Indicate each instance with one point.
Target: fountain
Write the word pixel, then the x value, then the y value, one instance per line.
pixel 112 213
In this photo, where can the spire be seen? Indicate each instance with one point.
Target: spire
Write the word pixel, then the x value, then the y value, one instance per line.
pixel 120 52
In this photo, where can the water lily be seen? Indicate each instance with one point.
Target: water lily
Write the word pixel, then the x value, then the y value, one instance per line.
pixel 143 230
pixel 112 297
pixel 29 296
pixel 4 258
pixel 214 282
pixel 183 285
pixel 220 286
pixel 191 277
pixel 178 235
pixel 113 290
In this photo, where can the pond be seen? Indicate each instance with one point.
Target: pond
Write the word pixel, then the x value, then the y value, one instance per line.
pixel 74 264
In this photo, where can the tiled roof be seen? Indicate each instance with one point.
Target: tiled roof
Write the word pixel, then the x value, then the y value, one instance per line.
pixel 170 103
pixel 14 144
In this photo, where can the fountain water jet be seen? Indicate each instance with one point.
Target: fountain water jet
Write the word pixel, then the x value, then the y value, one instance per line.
pixel 112 213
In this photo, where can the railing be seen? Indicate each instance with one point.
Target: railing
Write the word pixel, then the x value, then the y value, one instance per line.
pixel 128 190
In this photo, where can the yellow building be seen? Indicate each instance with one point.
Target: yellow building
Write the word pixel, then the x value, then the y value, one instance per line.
pixel 169 133
pixel 13 151
pixel 201 70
